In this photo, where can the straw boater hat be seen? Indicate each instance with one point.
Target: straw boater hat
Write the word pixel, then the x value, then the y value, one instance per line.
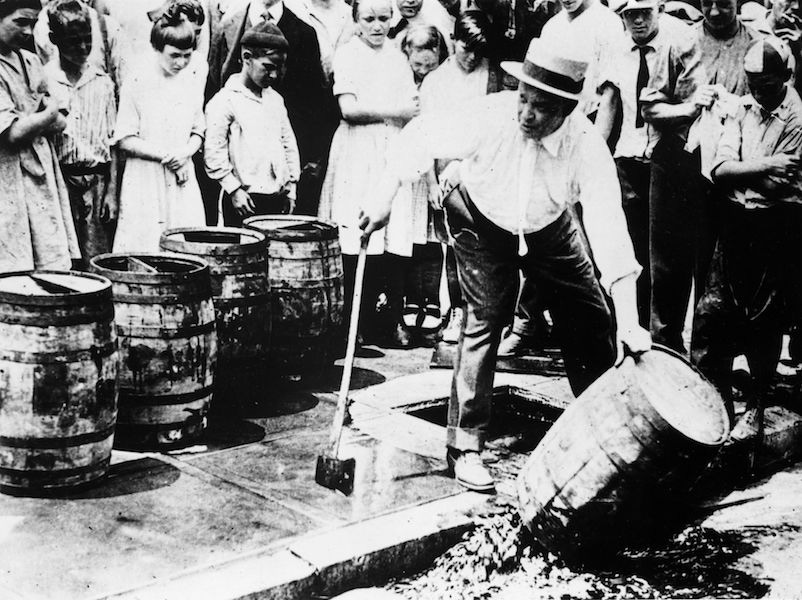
pixel 550 69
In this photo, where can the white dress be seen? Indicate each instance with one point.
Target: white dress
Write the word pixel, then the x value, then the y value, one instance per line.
pixel 359 152
pixel 164 111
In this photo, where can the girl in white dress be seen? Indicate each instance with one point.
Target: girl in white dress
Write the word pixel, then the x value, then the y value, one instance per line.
pixel 159 128
pixel 377 96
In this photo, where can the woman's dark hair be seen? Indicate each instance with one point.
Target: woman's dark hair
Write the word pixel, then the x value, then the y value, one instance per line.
pixel 64 13
pixel 172 31
pixel 473 29
pixel 9 6
pixel 425 37
pixel 191 9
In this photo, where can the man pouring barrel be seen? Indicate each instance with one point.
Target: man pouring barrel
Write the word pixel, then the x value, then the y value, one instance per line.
pixel 527 156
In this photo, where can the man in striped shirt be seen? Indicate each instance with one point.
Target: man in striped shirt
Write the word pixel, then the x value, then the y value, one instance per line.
pixel 85 95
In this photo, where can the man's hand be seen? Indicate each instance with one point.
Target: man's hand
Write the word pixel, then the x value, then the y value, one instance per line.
pixel 373 219
pixel 242 203
pixel 450 179
pixel 705 96
pixel 782 168
pixel 633 340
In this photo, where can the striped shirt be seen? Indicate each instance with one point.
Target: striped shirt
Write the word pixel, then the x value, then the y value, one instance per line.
pixel 86 141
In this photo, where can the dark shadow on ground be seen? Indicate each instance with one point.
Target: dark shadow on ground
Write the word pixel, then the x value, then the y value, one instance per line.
pixel 124 478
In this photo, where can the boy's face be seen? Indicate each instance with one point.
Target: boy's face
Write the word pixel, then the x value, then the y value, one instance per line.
pixel 422 62
pixel 767 88
pixel 467 60
pixel 74 42
pixel 571 6
pixel 267 69
pixel 16 29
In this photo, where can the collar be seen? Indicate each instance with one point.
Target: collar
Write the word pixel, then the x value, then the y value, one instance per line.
pixel 54 70
pixel 235 84
pixel 651 43
pixel 553 142
pixel 781 112
pixel 256 10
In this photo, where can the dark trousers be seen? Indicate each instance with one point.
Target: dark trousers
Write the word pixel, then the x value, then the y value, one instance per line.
pixel 384 274
pixel 558 266
pixel 422 279
pixel 635 176
pixel 265 204
pixel 681 238
pixel 86 188
pixel 742 308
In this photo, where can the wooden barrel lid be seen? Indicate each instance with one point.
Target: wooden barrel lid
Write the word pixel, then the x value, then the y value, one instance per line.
pixel 149 268
pixel 293 227
pixel 682 396
pixel 53 288
pixel 215 241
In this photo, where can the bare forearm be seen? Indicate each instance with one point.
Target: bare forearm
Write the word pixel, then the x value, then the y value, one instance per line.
pixel 664 114
pixel 136 147
pixel 26 128
pixel 608 107
pixel 739 171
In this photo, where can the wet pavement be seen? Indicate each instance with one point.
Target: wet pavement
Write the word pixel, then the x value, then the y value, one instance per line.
pixel 244 502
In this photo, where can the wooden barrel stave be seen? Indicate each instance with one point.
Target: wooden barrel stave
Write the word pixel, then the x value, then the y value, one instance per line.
pixel 168 349
pixel 58 387
pixel 306 281
pixel 241 291
pixel 605 465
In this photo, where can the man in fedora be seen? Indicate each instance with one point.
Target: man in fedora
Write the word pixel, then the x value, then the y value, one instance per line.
pixel 526 157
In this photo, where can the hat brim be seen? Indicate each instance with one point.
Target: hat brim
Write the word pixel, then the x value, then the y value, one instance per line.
pixel 516 69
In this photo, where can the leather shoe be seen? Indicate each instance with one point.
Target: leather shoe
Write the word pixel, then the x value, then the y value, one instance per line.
pixel 469 471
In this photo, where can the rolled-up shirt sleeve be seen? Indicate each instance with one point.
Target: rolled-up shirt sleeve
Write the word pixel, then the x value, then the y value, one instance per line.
pixel 603 216
pixel 441 134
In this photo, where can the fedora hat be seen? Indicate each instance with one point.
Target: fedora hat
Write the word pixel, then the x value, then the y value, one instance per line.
pixel 547 68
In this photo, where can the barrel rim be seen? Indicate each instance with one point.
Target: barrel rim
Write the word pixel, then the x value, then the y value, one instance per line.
pixel 327 230
pixel 725 430
pixel 259 244
pixel 78 298
pixel 201 268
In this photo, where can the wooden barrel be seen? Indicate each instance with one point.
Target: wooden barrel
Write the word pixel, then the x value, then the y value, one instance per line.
pixel 306 284
pixel 58 380
pixel 168 346
pixel 237 261
pixel 644 431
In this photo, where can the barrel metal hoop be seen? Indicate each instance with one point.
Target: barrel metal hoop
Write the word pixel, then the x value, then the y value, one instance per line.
pixel 57 443
pixel 143 331
pixel 130 399
pixel 131 429
pixel 190 297
pixel 100 314
pixel 254 300
pixel 43 477
pixel 66 356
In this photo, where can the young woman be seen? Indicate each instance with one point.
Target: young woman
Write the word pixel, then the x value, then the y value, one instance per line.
pixel 377 96
pixel 159 128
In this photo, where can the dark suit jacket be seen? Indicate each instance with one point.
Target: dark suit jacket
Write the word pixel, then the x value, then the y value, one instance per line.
pixel 312 109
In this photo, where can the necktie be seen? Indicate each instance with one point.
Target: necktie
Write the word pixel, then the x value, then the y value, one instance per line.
pixel 399 27
pixel 643 79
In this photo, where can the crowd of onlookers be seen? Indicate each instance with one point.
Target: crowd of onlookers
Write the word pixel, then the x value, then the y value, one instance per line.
pixel 122 118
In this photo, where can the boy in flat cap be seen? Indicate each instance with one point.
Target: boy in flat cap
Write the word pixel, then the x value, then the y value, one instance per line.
pixel 757 166
pixel 250 147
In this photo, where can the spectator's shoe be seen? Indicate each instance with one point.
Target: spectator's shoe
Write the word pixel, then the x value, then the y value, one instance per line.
pixel 469 471
pixel 747 426
pixel 411 315
pixel 451 332
pixel 430 319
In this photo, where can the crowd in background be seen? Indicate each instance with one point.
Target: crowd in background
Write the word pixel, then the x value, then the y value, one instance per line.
pixel 122 118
